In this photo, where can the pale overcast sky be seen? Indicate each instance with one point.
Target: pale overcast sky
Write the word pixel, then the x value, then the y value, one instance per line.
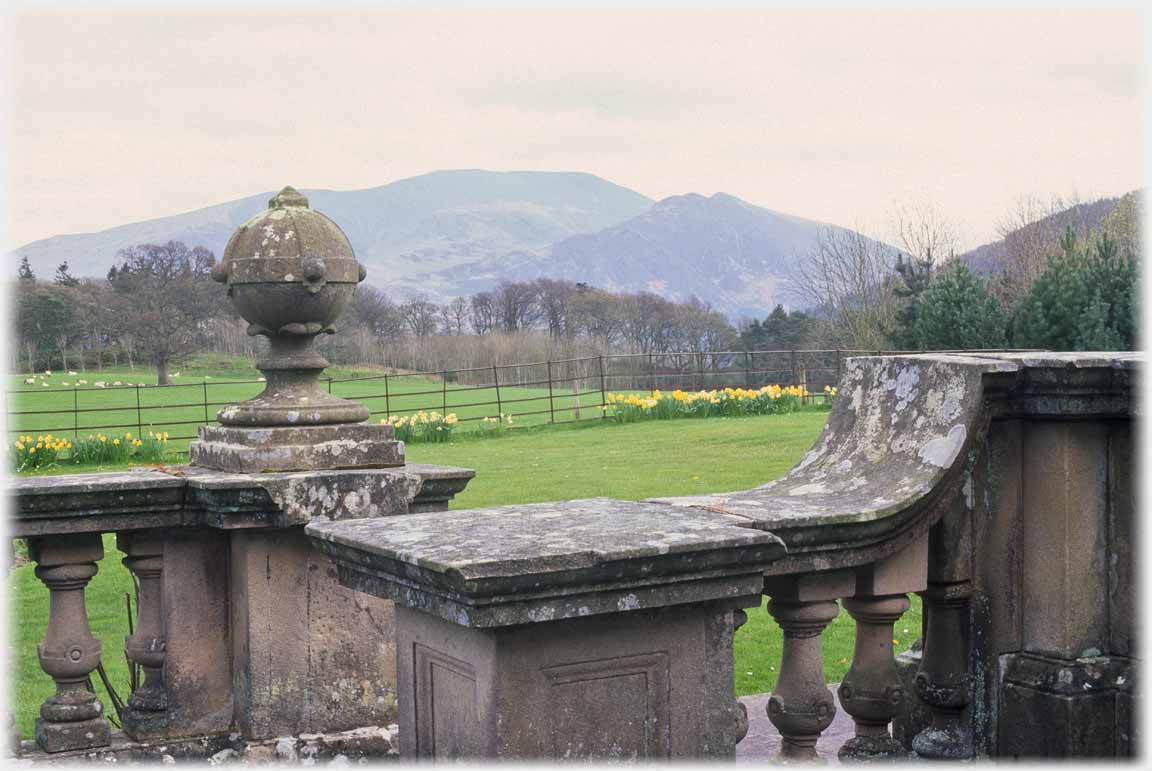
pixel 837 115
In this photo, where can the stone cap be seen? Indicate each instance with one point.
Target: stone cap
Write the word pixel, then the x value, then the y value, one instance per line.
pixel 187 496
pixel 898 436
pixel 536 562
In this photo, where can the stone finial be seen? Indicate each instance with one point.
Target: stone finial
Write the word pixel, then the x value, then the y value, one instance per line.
pixel 289 196
pixel 291 272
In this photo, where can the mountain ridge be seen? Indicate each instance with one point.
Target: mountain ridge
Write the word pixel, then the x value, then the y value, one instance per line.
pixel 455 232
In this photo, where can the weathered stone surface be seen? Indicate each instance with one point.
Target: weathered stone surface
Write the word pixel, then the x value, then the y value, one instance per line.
pixel 605 687
pixel 1069 707
pixel 230 500
pixel 523 564
pixel 366 744
pixel 261 450
pixel 198 647
pixel 308 654
pixel 290 273
pixel 1065 571
pixel 888 451
pixel 187 496
pixel 94 503
pixel 438 485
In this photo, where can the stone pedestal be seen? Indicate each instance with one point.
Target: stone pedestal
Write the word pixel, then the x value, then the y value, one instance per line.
pixel 296 448
pixel 583 629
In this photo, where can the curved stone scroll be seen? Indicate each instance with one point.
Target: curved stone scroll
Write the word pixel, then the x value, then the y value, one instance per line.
pixel 894 441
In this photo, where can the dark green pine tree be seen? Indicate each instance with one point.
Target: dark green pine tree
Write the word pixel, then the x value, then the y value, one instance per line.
pixel 1086 299
pixel 957 311
pixel 915 277
pixel 64 277
pixel 1110 318
pixel 24 272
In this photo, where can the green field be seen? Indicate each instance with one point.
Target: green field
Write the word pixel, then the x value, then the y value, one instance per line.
pixel 196 396
pixel 201 390
pixel 633 461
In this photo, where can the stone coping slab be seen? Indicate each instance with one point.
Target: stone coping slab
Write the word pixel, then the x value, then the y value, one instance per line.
pixel 897 437
pixel 542 562
pixel 188 496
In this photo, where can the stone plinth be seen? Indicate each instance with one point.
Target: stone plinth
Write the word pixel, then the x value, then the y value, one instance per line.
pixel 296 448
pixel 561 630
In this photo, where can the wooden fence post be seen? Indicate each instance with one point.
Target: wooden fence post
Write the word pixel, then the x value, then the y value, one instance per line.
pixel 551 404
pixel 603 390
pixel 496 382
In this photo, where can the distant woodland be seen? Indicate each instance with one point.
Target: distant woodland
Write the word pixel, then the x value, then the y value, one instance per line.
pixel 1062 277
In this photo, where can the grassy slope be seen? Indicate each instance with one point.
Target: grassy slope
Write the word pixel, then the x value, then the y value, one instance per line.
pixel 623 461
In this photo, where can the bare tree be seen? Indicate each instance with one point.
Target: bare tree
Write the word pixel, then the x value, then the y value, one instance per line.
pixel 483 313
pixel 596 314
pixel 924 232
pixel 517 309
pixel 850 277
pixel 552 298
pixel 1030 233
pixel 419 315
pixel 454 316
pixel 164 296
pixel 373 309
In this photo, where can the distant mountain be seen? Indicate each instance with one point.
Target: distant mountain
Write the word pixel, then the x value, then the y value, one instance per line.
pixel 721 249
pixel 431 222
pixel 453 233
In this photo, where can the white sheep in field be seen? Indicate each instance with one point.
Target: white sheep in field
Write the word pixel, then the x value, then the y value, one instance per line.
pixel 81 382
pixel 117 383
pixel 99 384
pixel 73 374
pixel 45 384
pixel 64 383
pixel 29 381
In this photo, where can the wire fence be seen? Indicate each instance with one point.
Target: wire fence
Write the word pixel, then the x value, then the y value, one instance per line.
pixel 552 391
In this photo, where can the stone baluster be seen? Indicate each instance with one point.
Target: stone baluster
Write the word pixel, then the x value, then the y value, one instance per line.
pixel 943 682
pixel 739 619
pixel 146 716
pixel 801 706
pixel 73 717
pixel 871 691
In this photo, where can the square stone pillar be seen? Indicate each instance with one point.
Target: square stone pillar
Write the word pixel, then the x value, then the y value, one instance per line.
pixel 581 629
pixel 308 654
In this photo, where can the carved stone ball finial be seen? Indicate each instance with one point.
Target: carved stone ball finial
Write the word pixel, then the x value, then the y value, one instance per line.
pixel 290 273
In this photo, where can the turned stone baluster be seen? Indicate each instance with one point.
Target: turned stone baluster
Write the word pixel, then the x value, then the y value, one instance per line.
pixel 871 691
pixel 72 718
pixel 146 716
pixel 801 706
pixel 943 682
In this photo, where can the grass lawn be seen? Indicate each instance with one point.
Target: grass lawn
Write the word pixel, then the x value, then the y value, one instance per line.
pixel 632 461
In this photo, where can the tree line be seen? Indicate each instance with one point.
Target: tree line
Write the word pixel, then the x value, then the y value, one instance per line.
pixel 157 305
pixel 1075 289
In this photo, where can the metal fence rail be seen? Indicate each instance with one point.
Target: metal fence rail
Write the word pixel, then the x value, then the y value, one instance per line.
pixel 552 391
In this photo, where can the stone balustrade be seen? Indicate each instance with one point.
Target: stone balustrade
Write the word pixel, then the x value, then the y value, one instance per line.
pixel 997 486
pixel 602 628
pixel 240 626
